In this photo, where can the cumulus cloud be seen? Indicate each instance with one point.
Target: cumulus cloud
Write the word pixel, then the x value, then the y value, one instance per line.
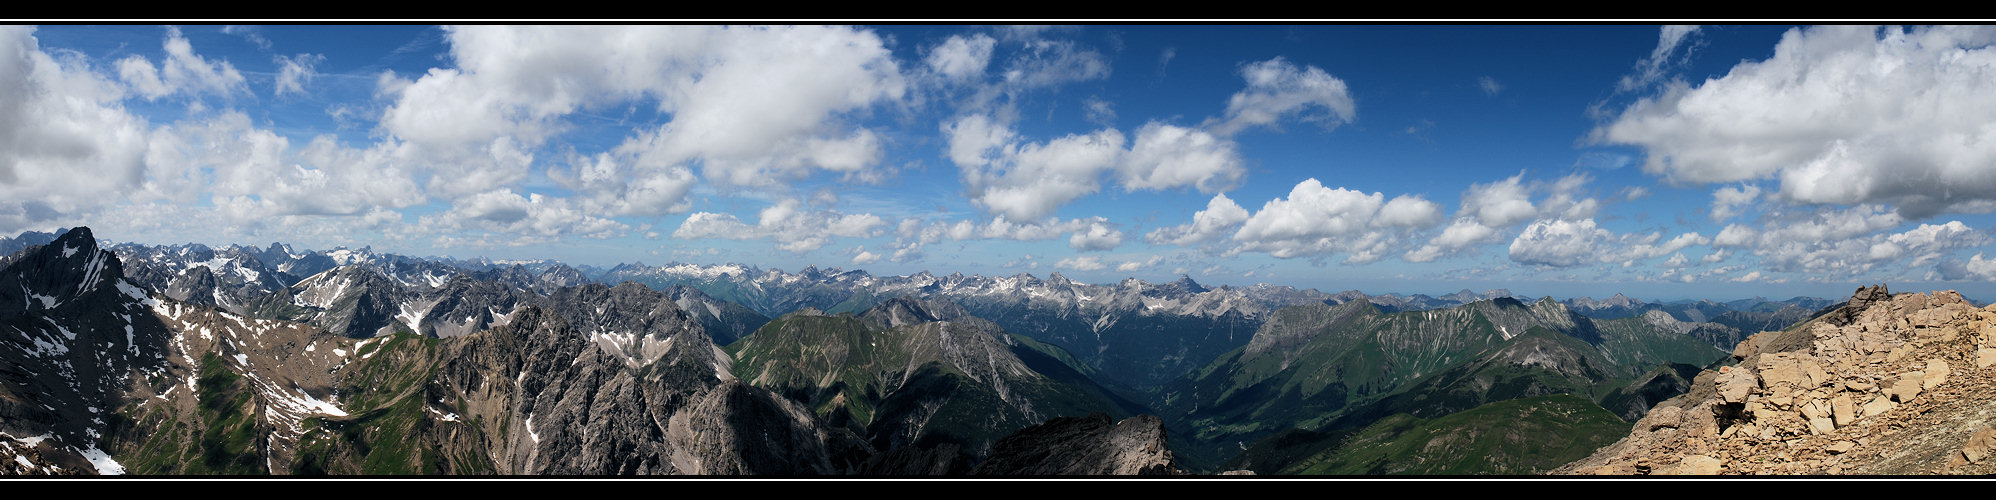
pixel 1220 218
pixel 1489 208
pixel 1559 243
pixel 1975 268
pixel 1097 237
pixel 1278 90
pixel 1315 220
pixel 1168 156
pixel 1847 241
pixel 1838 115
pixel 66 144
pixel 182 71
pixel 863 257
pixel 786 222
pixel 1727 201
pixel 257 173
pixel 1030 180
pixel 1569 243
pixel 749 106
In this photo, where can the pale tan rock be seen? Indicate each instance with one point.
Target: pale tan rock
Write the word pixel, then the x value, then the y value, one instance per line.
pixel 1786 369
pixel 1735 384
pixel 1984 357
pixel 1813 410
pixel 1878 406
pixel 1980 446
pixel 1897 353
pixel 1841 447
pixel 1860 386
pixel 1936 374
pixel 1695 465
pixel 1843 409
pixel 1821 425
pixel 1667 416
pixel 1817 377
pixel 1909 385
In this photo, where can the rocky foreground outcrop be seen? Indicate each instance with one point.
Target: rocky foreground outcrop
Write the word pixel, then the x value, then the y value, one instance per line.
pixel 1886 384
pixel 1083 446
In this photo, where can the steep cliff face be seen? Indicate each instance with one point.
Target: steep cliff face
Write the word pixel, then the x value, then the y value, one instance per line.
pixel 1885 384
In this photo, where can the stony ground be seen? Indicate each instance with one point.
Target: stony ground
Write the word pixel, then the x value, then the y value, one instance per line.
pixel 1891 384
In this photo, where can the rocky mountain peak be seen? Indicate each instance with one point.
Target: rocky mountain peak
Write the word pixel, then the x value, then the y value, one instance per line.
pixel 68 267
pixel 901 311
pixel 1885 384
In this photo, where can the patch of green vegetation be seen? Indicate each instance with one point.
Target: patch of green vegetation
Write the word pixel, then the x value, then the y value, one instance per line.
pixel 221 438
pixel 1520 436
pixel 389 431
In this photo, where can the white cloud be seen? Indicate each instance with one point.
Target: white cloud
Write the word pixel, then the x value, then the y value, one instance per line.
pixel 1462 233
pixel 1489 208
pixel 1167 156
pixel 1099 112
pixel 1089 263
pixel 1560 243
pixel 1735 235
pixel 182 71
pixel 1220 218
pixel 1031 180
pixel 749 106
pixel 66 144
pixel 1139 265
pixel 1847 241
pixel 1726 201
pixel 1046 63
pixel 1976 268
pixel 1277 90
pixel 1499 204
pixel 1839 115
pixel 1091 233
pixel 1569 243
pixel 1315 220
pixel 294 73
pixel 962 58
pixel 793 228
pixel 1097 237
pixel 865 257
pixel 1489 85
pixel 256 173
pixel 532 215
pixel 1651 68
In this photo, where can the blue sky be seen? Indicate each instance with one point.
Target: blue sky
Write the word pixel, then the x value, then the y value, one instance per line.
pixel 1660 162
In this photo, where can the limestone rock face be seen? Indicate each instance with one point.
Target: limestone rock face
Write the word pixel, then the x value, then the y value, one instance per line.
pixel 1090 445
pixel 1884 384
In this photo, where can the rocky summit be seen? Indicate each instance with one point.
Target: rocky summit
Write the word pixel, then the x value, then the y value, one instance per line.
pixel 1885 384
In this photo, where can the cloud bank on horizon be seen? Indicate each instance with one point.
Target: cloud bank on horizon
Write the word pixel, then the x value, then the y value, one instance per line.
pixel 1665 159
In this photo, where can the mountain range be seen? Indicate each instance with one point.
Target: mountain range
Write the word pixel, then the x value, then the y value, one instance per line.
pixel 189 359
